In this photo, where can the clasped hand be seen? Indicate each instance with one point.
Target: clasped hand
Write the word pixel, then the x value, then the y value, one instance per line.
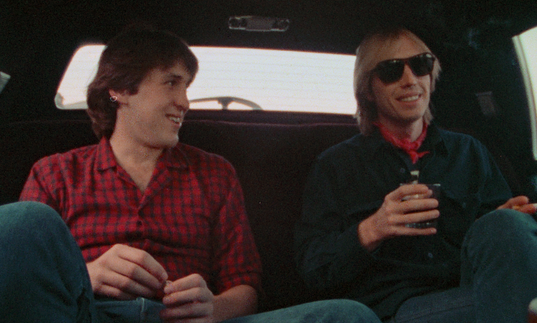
pixel 126 273
pixel 519 203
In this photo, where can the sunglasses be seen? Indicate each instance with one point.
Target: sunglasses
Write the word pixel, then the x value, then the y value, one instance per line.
pixel 391 70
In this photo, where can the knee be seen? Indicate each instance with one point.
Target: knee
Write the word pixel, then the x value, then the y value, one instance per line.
pixel 31 235
pixel 504 222
pixel 345 310
pixel 21 221
pixel 502 226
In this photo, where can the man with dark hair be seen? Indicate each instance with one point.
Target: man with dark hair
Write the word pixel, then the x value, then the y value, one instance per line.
pixel 371 230
pixel 124 64
pixel 161 226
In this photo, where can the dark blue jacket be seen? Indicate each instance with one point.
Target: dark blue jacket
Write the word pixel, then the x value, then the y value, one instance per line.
pixel 349 182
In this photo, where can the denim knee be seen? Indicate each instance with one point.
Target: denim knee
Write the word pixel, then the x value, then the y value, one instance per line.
pixel 342 310
pixel 501 226
pixel 498 238
pixel 498 263
pixel 26 230
pixel 21 221
pixel 327 311
pixel 42 267
pixel 352 311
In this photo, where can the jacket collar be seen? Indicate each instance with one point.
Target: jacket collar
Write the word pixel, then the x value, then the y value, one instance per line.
pixel 374 143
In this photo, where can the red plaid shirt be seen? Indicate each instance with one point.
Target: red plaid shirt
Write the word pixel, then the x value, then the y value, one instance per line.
pixel 191 217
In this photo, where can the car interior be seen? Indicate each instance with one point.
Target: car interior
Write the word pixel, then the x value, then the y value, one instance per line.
pixel 484 90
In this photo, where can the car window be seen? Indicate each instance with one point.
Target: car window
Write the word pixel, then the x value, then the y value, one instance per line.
pixel 4 78
pixel 526 48
pixel 242 78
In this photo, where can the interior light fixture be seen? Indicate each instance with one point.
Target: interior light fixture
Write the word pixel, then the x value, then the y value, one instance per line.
pixel 258 24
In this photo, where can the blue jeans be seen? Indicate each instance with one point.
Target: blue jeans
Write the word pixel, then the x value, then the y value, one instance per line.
pixel 43 278
pixel 498 275
pixel 329 311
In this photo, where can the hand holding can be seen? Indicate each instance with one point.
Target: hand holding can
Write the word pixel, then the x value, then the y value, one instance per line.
pixel 436 189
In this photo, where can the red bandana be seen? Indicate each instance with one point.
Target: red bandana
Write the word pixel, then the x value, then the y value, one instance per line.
pixel 410 147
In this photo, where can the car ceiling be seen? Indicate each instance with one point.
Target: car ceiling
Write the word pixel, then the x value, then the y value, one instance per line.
pixel 329 26
pixel 38 37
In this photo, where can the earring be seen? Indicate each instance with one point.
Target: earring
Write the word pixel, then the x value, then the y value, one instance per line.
pixel 113 98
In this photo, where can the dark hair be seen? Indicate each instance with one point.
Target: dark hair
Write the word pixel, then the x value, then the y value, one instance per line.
pixel 125 62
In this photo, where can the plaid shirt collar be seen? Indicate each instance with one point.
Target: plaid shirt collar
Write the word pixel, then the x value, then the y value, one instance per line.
pixel 171 157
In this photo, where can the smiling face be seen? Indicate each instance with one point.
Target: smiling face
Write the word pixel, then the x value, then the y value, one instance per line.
pixel 152 117
pixel 402 103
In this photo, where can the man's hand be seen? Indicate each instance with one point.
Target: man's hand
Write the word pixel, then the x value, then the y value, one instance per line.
pixel 519 203
pixel 126 273
pixel 395 213
pixel 188 300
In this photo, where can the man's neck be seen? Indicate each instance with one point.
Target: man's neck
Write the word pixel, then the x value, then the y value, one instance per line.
pixel 137 160
pixel 409 131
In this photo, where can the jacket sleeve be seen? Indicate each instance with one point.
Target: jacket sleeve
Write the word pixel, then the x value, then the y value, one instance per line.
pixel 494 189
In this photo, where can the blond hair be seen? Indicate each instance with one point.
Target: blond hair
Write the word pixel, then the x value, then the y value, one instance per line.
pixel 368 55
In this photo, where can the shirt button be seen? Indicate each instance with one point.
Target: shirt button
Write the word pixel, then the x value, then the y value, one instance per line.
pixel 430 255
pixel 402 170
pixel 139 223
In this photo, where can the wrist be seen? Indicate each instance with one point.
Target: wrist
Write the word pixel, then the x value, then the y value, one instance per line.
pixel 366 236
pixel 235 302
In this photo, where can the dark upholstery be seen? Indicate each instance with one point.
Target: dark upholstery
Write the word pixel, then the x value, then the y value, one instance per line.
pixel 23 143
pixel 272 162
